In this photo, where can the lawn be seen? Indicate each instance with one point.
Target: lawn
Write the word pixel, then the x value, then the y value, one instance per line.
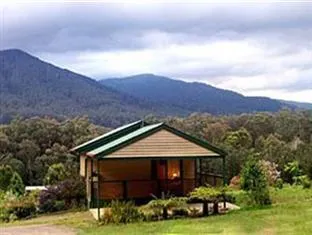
pixel 291 213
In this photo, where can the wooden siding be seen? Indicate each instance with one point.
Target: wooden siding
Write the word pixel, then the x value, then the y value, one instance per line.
pixel 82 166
pixel 162 144
pixel 189 169
pixel 125 170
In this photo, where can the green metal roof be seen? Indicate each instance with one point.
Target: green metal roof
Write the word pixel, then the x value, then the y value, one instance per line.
pixel 108 137
pixel 103 145
pixel 123 140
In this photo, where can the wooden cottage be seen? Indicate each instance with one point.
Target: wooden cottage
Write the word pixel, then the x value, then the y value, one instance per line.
pixel 139 159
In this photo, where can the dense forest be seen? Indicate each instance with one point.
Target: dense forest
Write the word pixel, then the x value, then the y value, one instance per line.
pixel 30 146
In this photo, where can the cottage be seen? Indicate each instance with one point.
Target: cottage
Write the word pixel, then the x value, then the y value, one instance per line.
pixel 140 159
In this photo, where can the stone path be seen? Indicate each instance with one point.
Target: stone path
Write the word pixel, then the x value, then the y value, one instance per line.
pixel 42 229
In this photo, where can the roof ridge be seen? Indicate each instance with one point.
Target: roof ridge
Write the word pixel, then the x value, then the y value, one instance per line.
pixel 108 136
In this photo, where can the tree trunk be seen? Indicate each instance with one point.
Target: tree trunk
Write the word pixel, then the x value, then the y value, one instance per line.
pixel 165 213
pixel 205 208
pixel 215 208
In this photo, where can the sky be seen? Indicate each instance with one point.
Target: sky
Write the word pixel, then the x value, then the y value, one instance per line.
pixel 257 49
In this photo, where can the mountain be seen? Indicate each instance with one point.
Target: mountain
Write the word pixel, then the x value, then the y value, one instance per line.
pixel 300 105
pixel 193 97
pixel 32 87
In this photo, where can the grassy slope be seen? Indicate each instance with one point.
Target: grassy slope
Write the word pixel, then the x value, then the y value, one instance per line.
pixel 291 213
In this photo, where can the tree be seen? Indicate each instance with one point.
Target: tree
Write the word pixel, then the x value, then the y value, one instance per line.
pixel 6 174
pixel 56 173
pixel 253 180
pixel 16 186
pixel 239 139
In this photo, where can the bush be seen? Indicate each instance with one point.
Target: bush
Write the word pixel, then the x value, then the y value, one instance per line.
pixel 160 207
pixel 16 185
pixel 253 181
pixel 208 194
pixel 67 194
pixel 13 207
pixel 6 174
pixel 279 183
pixel 56 173
pixel 122 212
pixel 179 212
pixel 303 180
pixel 270 171
pixel 291 171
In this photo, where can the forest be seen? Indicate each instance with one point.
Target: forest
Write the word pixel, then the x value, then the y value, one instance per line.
pixel 31 145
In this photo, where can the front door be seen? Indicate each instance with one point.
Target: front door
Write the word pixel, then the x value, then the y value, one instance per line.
pixel 168 175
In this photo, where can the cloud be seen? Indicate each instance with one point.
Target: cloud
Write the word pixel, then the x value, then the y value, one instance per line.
pixel 254 48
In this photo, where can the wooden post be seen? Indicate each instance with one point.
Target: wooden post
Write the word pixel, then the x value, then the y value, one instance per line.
pixel 166 178
pixel 224 179
pixel 224 171
pixel 200 172
pixel 98 190
pixel 86 180
pixel 91 183
pixel 195 172
pixel 182 176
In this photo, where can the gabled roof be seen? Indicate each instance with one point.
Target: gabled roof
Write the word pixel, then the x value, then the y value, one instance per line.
pixel 108 137
pixel 123 140
pixel 123 136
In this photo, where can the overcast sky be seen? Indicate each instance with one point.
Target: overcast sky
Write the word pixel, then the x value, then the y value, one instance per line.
pixel 261 49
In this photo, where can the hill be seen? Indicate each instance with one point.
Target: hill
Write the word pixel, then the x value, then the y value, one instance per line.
pixel 300 105
pixel 32 87
pixel 193 97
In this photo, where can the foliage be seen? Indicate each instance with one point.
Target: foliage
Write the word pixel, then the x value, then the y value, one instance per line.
pixel 271 171
pixel 55 174
pixel 279 183
pixel 122 212
pixel 160 207
pixel 203 193
pixel 302 180
pixel 31 146
pixel 291 171
pixel 16 186
pixel 253 181
pixel 6 174
pixel 14 207
pixel 65 195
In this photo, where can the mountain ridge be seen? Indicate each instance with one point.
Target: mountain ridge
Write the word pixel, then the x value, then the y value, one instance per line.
pixel 193 96
pixel 33 87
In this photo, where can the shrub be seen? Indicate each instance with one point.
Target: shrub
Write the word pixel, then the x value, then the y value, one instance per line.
pixel 67 194
pixel 235 182
pixel 160 207
pixel 270 171
pixel 303 180
pixel 279 183
pixel 122 212
pixel 291 171
pixel 13 207
pixel 6 174
pixel 179 212
pixel 16 185
pixel 253 180
pixel 208 194
pixel 56 173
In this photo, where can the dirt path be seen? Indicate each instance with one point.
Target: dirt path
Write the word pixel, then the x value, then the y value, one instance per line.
pixel 42 229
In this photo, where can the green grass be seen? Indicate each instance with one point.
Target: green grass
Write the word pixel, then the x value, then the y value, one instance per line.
pixel 291 213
